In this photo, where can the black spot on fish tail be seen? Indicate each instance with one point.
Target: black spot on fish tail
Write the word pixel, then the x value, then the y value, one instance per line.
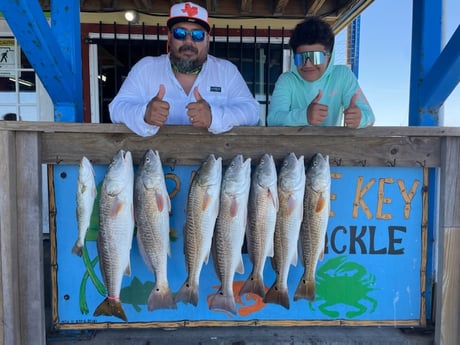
pixel 305 290
pixel 277 295
pixel 254 284
pixel 221 301
pixel 188 293
pixel 161 298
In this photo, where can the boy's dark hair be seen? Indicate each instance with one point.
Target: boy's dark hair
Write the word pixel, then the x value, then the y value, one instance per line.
pixel 312 30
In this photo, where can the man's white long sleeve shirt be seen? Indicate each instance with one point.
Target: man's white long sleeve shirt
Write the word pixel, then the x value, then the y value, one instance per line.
pixel 219 83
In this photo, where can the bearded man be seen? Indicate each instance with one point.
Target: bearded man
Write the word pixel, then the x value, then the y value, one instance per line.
pixel 187 86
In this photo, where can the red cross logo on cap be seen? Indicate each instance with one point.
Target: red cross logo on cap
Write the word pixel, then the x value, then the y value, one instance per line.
pixel 191 11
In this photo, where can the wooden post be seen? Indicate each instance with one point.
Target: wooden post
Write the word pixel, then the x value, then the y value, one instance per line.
pixel 9 308
pixel 448 294
pixel 22 309
pixel 30 238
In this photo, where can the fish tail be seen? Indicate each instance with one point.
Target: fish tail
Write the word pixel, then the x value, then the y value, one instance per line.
pixel 111 306
pixel 277 295
pixel 78 248
pixel 161 298
pixel 254 284
pixel 188 293
pixel 305 290
pixel 222 301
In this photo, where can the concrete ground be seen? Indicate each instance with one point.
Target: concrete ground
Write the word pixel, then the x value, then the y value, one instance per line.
pixel 231 335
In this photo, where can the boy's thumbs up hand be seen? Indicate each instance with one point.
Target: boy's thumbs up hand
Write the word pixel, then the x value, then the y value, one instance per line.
pixel 352 115
pixel 316 112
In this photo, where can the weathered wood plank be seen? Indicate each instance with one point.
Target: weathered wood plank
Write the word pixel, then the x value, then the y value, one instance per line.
pixel 253 323
pixel 451 178
pixel 51 127
pixel 186 148
pixel 30 239
pixel 448 320
pixel 448 277
pixel 376 146
pixel 10 313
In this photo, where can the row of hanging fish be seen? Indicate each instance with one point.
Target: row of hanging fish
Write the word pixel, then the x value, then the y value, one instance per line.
pixel 276 212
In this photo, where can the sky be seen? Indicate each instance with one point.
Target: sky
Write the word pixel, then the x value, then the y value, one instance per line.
pixel 385 56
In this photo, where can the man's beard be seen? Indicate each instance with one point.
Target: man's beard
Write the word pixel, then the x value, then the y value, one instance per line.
pixel 186 65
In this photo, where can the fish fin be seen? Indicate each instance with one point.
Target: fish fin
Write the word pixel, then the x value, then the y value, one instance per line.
pixel 240 266
pixel 168 200
pixel 300 244
pixel 254 284
pixel 277 295
pixel 294 259
pixel 249 244
pixel 99 250
pixel 305 290
pixel 188 293
pixel 161 298
pixel 117 206
pixel 206 257
pixel 272 193
pixel 206 200
pixel 222 301
pixel 127 271
pixel 291 205
pixel 320 204
pixel 274 264
pixel 234 208
pixel 214 255
pixel 160 201
pixel 111 307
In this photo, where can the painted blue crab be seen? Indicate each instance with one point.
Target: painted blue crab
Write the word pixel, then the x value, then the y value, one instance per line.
pixel 342 282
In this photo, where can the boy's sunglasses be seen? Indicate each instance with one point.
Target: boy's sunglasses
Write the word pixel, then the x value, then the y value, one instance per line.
pixel 181 34
pixel 316 58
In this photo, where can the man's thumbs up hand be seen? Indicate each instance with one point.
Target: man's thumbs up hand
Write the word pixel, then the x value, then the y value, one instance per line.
pixel 199 112
pixel 157 110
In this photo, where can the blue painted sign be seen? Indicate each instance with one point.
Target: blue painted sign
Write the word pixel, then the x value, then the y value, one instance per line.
pixel 371 270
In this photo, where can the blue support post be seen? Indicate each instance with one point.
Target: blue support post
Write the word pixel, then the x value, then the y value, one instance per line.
pixel 65 25
pixel 54 52
pixel 426 46
pixel 354 31
pixel 443 77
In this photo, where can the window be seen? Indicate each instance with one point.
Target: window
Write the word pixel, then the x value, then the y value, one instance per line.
pixel 17 82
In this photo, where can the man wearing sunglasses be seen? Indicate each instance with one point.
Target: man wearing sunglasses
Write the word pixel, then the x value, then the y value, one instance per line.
pixel 316 92
pixel 187 86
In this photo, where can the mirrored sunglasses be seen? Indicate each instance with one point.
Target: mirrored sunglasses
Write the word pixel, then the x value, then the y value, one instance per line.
pixel 316 58
pixel 181 34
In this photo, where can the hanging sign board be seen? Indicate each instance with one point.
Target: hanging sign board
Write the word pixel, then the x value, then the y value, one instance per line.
pixel 371 273
pixel 8 58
